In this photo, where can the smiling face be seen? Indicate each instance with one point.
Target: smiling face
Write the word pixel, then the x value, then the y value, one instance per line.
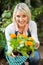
pixel 21 19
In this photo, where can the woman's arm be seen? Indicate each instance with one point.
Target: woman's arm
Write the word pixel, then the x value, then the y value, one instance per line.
pixel 34 34
pixel 7 32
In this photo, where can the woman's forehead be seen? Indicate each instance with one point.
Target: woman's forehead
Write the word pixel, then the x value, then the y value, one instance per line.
pixel 21 12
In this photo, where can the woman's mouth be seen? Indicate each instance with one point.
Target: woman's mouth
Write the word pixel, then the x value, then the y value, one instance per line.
pixel 21 22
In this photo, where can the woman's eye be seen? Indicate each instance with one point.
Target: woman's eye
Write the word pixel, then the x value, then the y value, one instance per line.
pixel 21 16
pixel 24 15
pixel 18 16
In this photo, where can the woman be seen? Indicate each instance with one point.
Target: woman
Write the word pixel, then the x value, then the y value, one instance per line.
pixel 22 24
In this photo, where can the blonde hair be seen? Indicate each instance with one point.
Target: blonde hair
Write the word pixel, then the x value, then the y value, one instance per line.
pixel 23 8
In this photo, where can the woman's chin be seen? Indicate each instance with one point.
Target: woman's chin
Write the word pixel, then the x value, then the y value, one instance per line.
pixel 21 25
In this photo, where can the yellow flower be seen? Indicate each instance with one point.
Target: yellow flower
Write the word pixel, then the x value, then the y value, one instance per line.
pixel 13 36
pixel 19 35
pixel 24 36
pixel 30 38
pixel 29 43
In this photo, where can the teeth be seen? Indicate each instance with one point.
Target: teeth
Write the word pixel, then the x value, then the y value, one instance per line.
pixel 21 22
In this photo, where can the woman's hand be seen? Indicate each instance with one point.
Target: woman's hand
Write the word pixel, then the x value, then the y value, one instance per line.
pixel 13 55
pixel 37 45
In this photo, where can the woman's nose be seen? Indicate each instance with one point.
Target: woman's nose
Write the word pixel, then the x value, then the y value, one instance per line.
pixel 21 19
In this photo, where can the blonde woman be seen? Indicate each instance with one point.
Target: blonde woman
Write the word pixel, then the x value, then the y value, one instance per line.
pixel 22 24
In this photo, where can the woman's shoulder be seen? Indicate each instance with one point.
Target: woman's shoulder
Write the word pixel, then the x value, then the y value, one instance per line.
pixel 32 23
pixel 10 26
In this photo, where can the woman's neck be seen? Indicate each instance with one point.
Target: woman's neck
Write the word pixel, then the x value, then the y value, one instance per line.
pixel 21 29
